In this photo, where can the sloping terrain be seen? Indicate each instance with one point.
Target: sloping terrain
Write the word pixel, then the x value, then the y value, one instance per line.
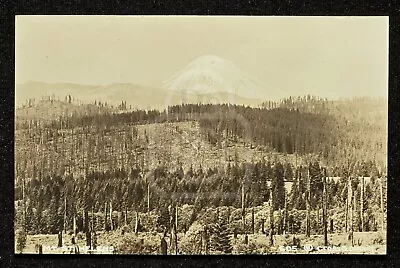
pixel 135 96
pixel 53 109
pixel 183 144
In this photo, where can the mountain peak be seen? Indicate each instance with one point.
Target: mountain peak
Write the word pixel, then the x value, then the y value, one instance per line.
pixel 208 60
pixel 211 74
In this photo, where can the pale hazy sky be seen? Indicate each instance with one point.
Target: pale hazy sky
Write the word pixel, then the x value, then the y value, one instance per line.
pixel 326 56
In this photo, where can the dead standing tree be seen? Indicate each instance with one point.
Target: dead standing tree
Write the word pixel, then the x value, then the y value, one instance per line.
pixel 111 218
pixel 271 218
pixel 252 220
pixel 65 207
pixel 73 240
pixel 382 203
pixel 350 209
pixel 285 216
pixel 148 197
pixel 308 194
pixel 137 221
pixel 174 229
pixel 324 209
pixel 362 203
pixel 87 229
pixel 205 240
pixel 243 207
pixel 105 216
pixel 164 245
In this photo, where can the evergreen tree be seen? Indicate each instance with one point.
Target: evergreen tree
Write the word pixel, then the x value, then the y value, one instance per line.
pixel 316 184
pixel 20 237
pixel 294 194
pixel 220 240
pixel 288 172
pixel 30 217
pixel 278 186
pixel 55 220
pixel 301 200
pixel 39 223
pixel 163 220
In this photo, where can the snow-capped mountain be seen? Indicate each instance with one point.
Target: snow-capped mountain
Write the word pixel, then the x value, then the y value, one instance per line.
pixel 210 74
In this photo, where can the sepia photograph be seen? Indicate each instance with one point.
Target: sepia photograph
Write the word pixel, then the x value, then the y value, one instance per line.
pixel 200 135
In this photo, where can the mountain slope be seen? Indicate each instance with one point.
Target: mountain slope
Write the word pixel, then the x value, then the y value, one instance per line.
pixel 136 96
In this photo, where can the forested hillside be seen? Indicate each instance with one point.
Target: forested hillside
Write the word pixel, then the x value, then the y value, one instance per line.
pixel 86 168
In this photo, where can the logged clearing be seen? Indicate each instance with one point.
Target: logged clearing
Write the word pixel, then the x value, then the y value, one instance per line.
pixel 183 144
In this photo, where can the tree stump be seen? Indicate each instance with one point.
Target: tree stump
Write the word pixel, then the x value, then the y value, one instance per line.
pixel 59 239
pixel 94 242
pixel 163 246
pixel 73 239
pixel 271 237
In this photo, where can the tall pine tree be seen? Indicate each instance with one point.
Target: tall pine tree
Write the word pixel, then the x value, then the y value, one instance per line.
pixel 220 240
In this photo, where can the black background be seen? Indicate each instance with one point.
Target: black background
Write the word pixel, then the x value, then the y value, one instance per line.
pixel 8 9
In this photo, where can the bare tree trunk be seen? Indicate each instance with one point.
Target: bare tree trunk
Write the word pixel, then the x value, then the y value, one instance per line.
pixel 65 213
pixel 163 246
pixel 92 219
pixel 23 204
pixel 324 211
pixel 176 217
pixel 354 213
pixel 308 232
pixel 350 210
pixel 279 227
pixel 87 230
pixel 243 209
pixel 74 229
pixel 60 242
pixel 148 198
pixel 137 223
pixel 105 216
pixel 174 239
pixel 347 213
pixel 285 217
pixel 252 220
pixel 271 218
pixel 382 207
pixel 126 216
pixel 111 219
pixel 362 204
